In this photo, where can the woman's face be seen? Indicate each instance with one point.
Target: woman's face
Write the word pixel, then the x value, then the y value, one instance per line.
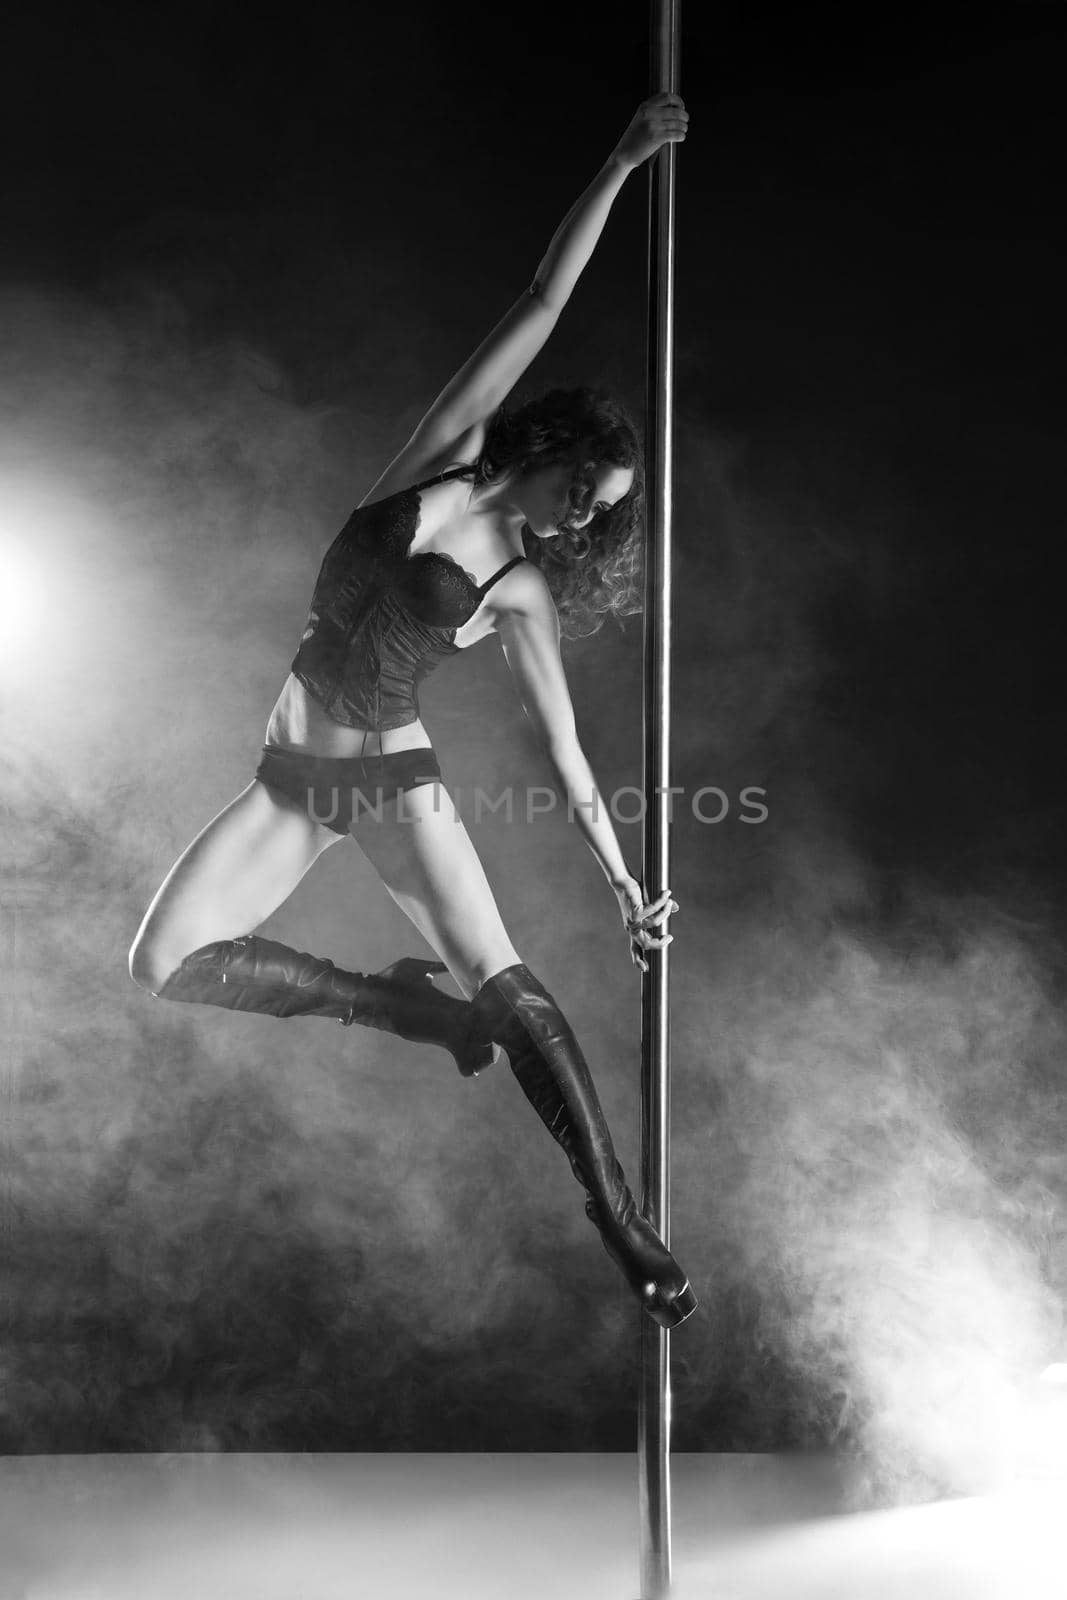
pixel 543 496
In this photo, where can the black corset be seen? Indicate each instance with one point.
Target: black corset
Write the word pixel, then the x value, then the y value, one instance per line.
pixel 381 620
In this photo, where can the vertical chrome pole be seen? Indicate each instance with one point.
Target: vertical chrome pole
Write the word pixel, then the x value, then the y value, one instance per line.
pixel 654 1412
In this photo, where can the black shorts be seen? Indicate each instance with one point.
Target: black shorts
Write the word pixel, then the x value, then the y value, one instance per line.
pixel 337 790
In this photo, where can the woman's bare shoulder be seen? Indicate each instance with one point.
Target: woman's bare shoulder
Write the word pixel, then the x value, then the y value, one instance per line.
pixel 421 458
pixel 523 592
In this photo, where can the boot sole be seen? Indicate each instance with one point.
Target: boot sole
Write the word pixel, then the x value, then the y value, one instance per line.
pixel 670 1313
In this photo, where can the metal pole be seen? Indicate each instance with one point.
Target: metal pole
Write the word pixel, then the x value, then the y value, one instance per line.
pixel 654 1410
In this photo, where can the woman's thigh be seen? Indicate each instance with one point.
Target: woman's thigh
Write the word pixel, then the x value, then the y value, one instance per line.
pixel 427 861
pixel 236 872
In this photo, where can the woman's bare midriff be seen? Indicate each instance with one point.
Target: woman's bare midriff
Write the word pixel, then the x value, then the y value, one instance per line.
pixel 299 723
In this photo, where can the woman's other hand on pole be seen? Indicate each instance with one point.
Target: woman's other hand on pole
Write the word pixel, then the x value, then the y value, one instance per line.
pixel 660 120
pixel 643 919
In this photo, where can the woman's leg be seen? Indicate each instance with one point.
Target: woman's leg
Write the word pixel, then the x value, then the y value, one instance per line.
pixel 428 862
pixel 237 871
pixel 196 943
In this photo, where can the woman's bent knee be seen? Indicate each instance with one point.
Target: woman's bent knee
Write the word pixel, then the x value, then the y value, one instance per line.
pixel 234 874
pixel 151 965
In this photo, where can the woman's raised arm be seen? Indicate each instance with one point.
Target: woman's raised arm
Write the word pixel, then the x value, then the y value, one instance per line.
pixel 500 360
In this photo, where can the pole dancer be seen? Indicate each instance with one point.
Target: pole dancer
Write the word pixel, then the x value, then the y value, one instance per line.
pixel 523 523
pixel 654 1402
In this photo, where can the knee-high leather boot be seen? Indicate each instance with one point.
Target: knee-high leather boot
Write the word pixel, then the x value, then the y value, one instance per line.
pixel 514 1008
pixel 254 974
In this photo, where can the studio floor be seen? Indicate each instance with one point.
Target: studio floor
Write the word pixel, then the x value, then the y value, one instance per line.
pixel 498 1527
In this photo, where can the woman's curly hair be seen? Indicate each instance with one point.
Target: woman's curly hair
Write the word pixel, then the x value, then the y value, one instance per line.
pixel 593 572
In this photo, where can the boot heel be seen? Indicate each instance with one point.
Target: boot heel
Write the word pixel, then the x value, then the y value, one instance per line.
pixel 409 969
pixel 669 1313
pixel 479 1054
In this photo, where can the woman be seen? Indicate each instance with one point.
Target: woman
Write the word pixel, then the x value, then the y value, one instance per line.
pixel 542 505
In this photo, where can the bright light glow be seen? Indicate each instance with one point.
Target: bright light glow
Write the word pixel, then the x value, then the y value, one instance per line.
pixel 1056 1375
pixel 49 536
pixel 22 597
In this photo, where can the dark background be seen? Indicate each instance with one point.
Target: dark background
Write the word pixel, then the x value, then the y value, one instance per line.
pixel 240 255
pixel 867 264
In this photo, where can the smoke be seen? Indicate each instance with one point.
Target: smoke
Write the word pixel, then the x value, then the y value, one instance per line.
pixel 224 1232
pixel 228 1232
pixel 880 1177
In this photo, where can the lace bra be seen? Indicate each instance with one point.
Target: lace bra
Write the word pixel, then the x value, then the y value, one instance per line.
pixel 380 619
